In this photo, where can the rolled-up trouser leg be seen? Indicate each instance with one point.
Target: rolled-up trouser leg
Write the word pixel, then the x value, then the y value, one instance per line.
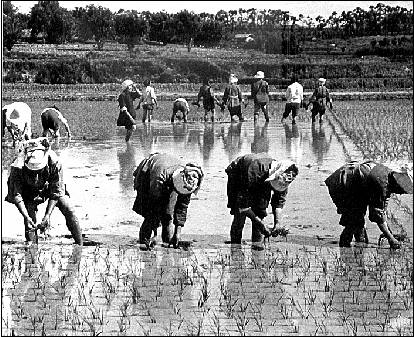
pixel 236 231
pixel 31 210
pixel 72 222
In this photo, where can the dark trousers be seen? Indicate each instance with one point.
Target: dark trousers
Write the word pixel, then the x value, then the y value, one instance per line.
pixel 354 227
pixel 291 107
pixel 260 107
pixel 236 111
pixel 64 206
pixel 236 230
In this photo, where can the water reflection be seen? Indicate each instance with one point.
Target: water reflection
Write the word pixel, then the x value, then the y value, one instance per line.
pixel 208 140
pixel 294 146
pixel 320 144
pixel 261 139
pixel 180 133
pixel 233 141
pixel 145 135
pixel 127 164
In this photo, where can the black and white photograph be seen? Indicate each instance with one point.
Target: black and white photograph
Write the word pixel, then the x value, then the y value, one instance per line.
pixel 207 168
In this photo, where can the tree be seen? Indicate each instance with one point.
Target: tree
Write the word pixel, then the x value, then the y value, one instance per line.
pixel 99 21
pixel 13 24
pixel 130 27
pixel 51 21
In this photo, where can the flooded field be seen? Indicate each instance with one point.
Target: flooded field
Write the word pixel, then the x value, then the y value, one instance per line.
pixel 302 285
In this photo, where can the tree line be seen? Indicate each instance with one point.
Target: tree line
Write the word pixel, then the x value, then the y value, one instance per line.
pixel 53 24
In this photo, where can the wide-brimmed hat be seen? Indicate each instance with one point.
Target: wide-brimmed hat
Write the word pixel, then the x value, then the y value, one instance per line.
pixel 36 153
pixel 187 180
pixel 125 84
pixel 321 80
pixel 259 74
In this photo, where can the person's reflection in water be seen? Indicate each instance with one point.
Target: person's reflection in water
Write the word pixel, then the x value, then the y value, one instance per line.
pixel 45 272
pixel 145 135
pixel 233 141
pixel 261 139
pixel 320 145
pixel 127 166
pixel 180 133
pixel 208 140
pixel 293 142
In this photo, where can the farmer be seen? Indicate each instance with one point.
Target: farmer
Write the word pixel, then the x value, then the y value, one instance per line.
pixel 319 99
pixel 164 186
pixel 127 113
pixel 51 118
pixel 294 99
pixel 260 94
pixel 17 118
pixel 209 100
pixel 180 105
pixel 233 99
pixel 149 100
pixel 251 180
pixel 36 176
pixel 355 186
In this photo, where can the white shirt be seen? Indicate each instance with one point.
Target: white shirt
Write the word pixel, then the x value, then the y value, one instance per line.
pixel 148 95
pixel 294 93
pixel 184 101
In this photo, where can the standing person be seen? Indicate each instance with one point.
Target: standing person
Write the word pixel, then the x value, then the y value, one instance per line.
pixel 294 99
pixel 149 100
pixel 319 99
pixel 17 118
pixel 36 176
pixel 51 118
pixel 260 94
pixel 180 104
pixel 209 100
pixel 254 180
pixel 127 113
pixel 164 186
pixel 233 98
pixel 355 186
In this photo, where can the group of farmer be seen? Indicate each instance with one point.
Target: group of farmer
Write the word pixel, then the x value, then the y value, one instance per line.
pixel 165 184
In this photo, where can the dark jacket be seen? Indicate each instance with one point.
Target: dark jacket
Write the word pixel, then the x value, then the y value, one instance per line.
pixel 320 98
pixel 232 95
pixel 246 186
pixel 358 186
pixel 24 184
pixel 207 95
pixel 262 86
pixel 126 99
pixel 156 196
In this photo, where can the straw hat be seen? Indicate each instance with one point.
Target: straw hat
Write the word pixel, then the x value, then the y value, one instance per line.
pixel 259 74
pixel 233 78
pixel 125 84
pixel 322 80
pixel 403 176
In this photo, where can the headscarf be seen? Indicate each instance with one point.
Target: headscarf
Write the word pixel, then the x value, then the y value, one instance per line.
pixel 125 84
pixel 277 168
pixel 34 154
pixel 259 74
pixel 188 179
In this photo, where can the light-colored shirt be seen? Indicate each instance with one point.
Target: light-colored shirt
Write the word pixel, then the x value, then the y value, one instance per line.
pixel 184 101
pixel 294 93
pixel 148 95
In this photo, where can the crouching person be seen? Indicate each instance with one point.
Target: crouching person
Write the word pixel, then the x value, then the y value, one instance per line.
pixel 36 176
pixel 164 186
pixel 254 180
pixel 180 105
pixel 355 186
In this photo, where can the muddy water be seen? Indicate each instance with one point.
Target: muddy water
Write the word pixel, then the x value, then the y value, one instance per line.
pixel 99 177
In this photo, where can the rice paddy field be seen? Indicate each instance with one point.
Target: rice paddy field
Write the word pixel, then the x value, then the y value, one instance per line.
pixel 303 284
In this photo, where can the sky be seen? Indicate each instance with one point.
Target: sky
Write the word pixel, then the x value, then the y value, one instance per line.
pixel 307 8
